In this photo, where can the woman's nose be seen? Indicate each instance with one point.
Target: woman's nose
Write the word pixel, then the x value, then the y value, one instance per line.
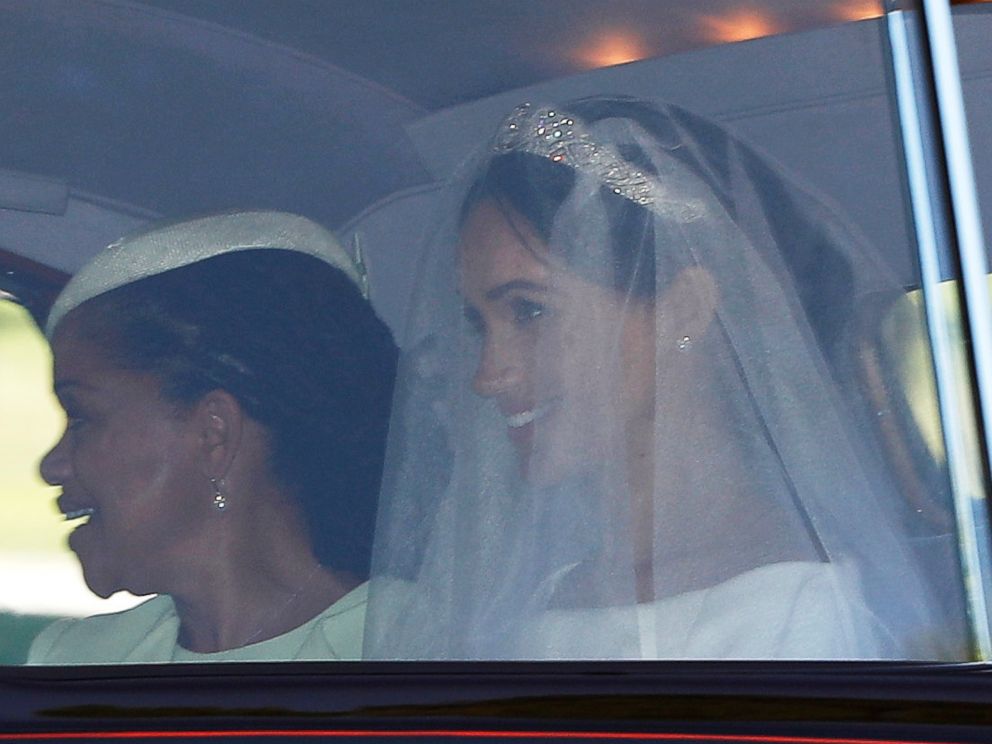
pixel 499 370
pixel 54 466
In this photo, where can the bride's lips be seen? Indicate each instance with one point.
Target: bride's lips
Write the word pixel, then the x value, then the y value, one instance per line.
pixel 520 421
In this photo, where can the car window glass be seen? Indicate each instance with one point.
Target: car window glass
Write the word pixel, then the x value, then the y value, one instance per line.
pixel 176 109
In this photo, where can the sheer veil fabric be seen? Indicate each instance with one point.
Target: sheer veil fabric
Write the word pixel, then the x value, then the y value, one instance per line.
pixel 630 423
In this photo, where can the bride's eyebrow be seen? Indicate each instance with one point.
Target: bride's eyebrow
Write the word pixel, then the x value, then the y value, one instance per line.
pixel 497 292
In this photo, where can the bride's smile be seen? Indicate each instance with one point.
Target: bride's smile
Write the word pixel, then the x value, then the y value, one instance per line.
pixel 550 342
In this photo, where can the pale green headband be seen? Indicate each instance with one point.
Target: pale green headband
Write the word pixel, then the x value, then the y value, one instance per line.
pixel 172 246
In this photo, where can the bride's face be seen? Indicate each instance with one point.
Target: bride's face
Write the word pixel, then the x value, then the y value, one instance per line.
pixel 570 364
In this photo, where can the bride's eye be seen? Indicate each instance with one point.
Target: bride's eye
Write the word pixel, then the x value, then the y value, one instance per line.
pixel 474 319
pixel 525 311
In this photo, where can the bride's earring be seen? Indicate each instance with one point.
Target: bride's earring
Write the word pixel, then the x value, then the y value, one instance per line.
pixel 684 343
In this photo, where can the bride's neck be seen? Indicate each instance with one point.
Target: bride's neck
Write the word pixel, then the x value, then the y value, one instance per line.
pixel 696 520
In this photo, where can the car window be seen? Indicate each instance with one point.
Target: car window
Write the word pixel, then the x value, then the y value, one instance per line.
pixel 799 499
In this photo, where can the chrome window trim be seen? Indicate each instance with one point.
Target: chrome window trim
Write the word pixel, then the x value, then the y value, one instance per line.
pixel 944 204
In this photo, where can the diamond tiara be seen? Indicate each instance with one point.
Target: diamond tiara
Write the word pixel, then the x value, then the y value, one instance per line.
pixel 561 138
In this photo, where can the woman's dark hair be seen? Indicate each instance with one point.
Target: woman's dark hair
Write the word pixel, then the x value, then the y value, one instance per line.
pixel 293 340
pixel 803 236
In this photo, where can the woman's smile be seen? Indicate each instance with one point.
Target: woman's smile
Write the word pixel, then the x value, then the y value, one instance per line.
pixel 125 467
pixel 71 512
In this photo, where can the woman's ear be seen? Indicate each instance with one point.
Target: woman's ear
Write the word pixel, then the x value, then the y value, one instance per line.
pixel 690 302
pixel 219 421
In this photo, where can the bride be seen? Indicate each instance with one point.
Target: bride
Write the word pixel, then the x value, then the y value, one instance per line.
pixel 631 425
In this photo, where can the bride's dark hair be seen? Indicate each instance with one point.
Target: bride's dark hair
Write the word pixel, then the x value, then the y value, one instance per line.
pixel 536 188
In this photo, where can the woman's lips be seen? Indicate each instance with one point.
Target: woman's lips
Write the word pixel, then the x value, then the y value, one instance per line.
pixel 86 511
pixel 72 508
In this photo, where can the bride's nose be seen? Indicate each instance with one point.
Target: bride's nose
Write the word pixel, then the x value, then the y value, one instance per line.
pixel 500 368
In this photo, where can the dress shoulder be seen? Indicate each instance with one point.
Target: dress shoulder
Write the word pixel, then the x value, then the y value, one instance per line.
pixel 797 610
pixel 792 610
pixel 147 634
pixel 106 639
pixel 342 627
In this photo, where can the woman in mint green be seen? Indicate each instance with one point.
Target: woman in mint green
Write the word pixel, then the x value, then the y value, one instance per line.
pixel 226 385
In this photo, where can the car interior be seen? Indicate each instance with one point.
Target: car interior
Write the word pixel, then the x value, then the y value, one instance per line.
pixel 121 113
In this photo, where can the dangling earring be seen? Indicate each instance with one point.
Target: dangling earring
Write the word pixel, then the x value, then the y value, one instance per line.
pixel 220 501
pixel 684 343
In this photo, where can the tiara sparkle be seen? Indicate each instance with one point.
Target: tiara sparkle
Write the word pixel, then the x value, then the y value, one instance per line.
pixel 561 138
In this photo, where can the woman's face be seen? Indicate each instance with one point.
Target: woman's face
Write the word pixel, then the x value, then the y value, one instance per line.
pixel 570 364
pixel 127 467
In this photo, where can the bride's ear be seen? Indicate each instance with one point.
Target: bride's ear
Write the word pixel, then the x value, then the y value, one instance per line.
pixel 690 302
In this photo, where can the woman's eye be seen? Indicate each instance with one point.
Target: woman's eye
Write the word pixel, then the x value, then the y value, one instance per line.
pixel 526 311
pixel 474 319
pixel 74 419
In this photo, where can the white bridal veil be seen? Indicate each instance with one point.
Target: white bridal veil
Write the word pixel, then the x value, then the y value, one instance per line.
pixel 632 420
